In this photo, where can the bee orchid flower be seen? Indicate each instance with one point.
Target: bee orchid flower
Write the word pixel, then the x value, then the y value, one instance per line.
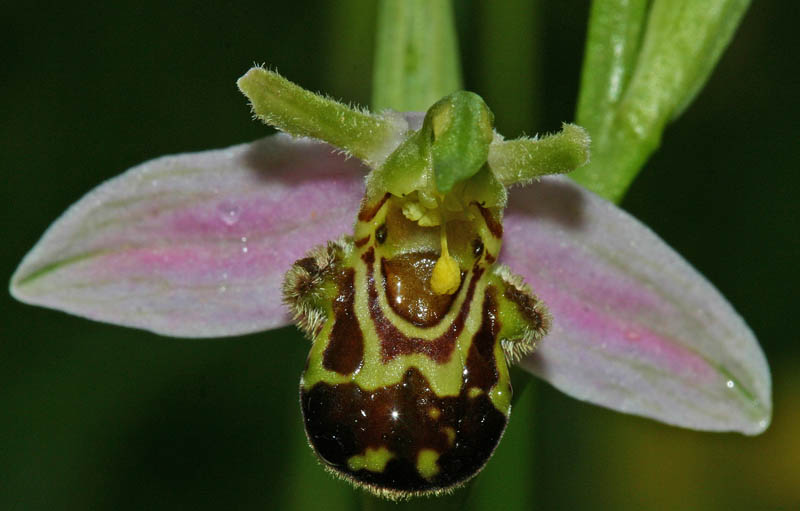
pixel 198 245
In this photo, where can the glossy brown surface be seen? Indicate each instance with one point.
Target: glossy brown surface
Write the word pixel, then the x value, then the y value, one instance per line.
pixel 406 281
pixel 394 342
pixel 481 365
pixel 345 350
pixel 343 421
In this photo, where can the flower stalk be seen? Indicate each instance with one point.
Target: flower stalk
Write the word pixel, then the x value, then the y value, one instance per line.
pixel 644 64
pixel 416 55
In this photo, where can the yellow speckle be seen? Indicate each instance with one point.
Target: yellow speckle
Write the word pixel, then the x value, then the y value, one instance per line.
pixel 374 460
pixel 446 275
pixel 426 463
pixel 434 413
pixel 451 434
pixel 475 392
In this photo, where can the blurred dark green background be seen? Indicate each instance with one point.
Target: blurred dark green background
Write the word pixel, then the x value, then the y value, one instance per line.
pixel 99 417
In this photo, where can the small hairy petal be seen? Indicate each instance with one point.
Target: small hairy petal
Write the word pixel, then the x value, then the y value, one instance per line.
pixel 635 327
pixel 194 245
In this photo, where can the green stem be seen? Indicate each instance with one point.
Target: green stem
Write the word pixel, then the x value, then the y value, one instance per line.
pixel 512 87
pixel 612 46
pixel 636 81
pixel 416 55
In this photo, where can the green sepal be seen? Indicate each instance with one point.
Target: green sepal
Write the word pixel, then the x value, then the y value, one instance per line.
pixel 290 108
pixel 524 159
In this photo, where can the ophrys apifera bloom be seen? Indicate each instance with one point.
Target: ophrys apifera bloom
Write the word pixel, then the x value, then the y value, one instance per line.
pixel 197 245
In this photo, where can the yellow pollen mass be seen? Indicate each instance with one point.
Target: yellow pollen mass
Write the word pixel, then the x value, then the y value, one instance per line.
pixel 446 275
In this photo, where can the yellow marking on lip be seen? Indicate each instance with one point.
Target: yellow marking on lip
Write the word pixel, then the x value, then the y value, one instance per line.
pixel 446 276
pixel 374 460
pixel 434 413
pixel 474 392
pixel 427 465
pixel 451 434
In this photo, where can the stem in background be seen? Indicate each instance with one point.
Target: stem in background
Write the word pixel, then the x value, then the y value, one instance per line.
pixel 350 23
pixel 642 68
pixel 416 55
pixel 612 46
pixel 510 86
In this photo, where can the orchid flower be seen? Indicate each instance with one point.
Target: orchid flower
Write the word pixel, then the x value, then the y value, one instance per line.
pixel 198 245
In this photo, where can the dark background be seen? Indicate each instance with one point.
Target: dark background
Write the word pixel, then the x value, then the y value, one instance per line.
pixel 99 417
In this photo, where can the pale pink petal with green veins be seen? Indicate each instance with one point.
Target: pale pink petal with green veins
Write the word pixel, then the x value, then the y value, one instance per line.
pixel 195 245
pixel 635 327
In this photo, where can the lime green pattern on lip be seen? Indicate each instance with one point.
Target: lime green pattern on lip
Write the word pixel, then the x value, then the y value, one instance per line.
pixel 427 463
pixel 374 460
